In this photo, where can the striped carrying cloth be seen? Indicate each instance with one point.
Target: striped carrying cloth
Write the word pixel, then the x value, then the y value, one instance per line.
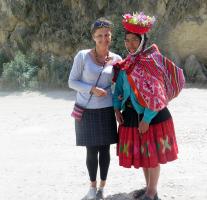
pixel 155 79
pixel 173 75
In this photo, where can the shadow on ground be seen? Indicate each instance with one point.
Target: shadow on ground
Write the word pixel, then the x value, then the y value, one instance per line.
pixel 119 196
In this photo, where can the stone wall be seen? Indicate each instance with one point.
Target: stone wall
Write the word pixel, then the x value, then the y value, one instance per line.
pixel 62 27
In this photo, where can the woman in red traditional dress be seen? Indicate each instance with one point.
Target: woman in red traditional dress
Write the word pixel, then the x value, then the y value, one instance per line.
pixel 145 82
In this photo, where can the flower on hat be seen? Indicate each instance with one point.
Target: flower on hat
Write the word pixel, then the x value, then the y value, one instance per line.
pixel 139 19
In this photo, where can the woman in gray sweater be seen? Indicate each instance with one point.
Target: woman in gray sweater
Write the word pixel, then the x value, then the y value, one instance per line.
pixel 97 128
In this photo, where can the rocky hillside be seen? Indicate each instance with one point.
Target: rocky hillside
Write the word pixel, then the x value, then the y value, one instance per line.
pixel 60 28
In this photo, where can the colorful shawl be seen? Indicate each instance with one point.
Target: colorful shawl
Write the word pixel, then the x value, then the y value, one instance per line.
pixel 154 78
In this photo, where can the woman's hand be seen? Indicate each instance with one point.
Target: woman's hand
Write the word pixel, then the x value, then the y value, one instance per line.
pixel 143 127
pixel 99 92
pixel 119 117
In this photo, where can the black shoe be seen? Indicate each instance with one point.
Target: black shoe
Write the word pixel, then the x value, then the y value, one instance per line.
pixel 138 193
pixel 145 197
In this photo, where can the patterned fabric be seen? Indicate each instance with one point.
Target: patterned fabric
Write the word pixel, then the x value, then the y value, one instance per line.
pixel 173 75
pixel 77 112
pixel 154 79
pixel 97 127
pixel 157 146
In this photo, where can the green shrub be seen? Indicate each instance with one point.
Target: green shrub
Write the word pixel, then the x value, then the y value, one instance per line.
pixel 3 59
pixel 118 38
pixel 58 72
pixel 54 72
pixel 21 72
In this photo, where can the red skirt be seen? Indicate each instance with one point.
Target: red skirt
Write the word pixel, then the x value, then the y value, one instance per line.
pixel 157 146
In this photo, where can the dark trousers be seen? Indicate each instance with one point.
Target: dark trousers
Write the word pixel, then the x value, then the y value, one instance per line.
pixel 95 155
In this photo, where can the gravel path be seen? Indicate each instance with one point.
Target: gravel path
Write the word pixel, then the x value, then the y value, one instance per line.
pixel 39 159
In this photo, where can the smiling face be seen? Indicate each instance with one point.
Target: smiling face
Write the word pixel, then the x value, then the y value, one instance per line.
pixel 102 37
pixel 132 42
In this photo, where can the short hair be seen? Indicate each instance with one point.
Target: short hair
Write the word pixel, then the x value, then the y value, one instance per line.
pixel 101 23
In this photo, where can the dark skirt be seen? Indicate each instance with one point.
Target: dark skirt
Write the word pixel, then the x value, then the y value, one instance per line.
pixel 157 146
pixel 97 127
pixel 131 118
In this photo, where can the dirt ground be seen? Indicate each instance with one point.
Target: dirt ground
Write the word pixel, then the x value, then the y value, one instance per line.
pixel 39 159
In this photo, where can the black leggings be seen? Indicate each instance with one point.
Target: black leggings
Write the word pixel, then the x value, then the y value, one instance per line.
pixel 92 161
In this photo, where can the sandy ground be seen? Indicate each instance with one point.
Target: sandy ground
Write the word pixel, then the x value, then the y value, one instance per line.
pixel 39 159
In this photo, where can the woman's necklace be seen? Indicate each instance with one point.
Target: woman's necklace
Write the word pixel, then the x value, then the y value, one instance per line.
pixel 99 60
